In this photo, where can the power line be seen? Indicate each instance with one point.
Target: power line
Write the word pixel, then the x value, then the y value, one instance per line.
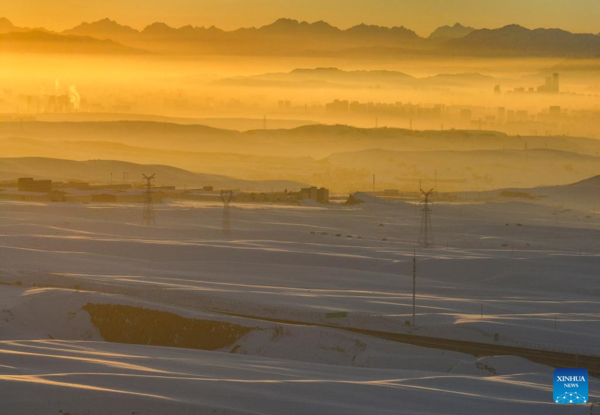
pixel 414 286
pixel 426 230
pixel 227 198
pixel 148 216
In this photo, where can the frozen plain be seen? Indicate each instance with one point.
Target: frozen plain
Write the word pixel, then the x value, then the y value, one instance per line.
pixel 526 271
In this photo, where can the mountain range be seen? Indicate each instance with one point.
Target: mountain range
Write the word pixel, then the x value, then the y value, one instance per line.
pixel 451 32
pixel 292 37
pixel 337 78
pixel 38 41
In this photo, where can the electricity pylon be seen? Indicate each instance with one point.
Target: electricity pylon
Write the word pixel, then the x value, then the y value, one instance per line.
pixel 148 217
pixel 227 198
pixel 414 287
pixel 426 231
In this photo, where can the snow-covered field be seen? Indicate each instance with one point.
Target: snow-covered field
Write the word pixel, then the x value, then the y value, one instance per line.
pixel 525 271
pixel 96 377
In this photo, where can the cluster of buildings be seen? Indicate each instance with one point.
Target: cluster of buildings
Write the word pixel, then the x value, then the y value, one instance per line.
pixel 31 190
pixel 464 116
pixel 60 102
pixel 551 120
pixel 381 109
pixel 551 86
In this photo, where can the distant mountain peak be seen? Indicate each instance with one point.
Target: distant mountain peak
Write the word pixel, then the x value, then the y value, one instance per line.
pixel 6 25
pixel 106 20
pixel 158 28
pixel 451 32
pixel 515 27
pixel 366 28
pixel 322 24
pixel 46 42
pixel 286 24
pixel 5 22
pixel 321 69
pixel 516 40
pixel 101 28
pixel 285 21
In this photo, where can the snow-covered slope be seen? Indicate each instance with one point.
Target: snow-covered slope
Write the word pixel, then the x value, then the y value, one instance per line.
pixel 101 378
pixel 83 273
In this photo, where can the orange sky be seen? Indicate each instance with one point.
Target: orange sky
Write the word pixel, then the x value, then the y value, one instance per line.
pixel 423 16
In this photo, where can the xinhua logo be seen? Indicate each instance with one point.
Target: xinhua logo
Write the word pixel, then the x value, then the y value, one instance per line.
pixel 571 386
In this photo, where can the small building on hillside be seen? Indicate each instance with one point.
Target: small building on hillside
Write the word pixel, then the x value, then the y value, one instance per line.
pixel 320 195
pixel 27 184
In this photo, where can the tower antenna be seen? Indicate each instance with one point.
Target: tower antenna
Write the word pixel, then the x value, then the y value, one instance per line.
pixel 148 216
pixel 227 198
pixel 426 231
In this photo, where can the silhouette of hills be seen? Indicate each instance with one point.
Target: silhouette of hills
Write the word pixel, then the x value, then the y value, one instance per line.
pixel 284 36
pixel 503 165
pixel 293 37
pixel 6 26
pixel 44 42
pixel 242 166
pixel 591 182
pixel 516 40
pixel 102 29
pixel 291 25
pixel 100 171
pixel 334 77
pixel 451 32
pixel 316 141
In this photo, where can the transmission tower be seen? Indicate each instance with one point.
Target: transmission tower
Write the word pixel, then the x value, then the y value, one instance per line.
pixel 226 197
pixel 148 218
pixel 414 286
pixel 426 231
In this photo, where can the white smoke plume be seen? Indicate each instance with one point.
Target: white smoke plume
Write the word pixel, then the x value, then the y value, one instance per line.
pixel 57 86
pixel 74 98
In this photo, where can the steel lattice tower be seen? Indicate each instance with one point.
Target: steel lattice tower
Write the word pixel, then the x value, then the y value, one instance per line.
pixel 148 217
pixel 227 198
pixel 426 231
pixel 414 322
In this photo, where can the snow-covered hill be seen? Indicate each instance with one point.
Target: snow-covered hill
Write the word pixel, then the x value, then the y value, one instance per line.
pixel 83 274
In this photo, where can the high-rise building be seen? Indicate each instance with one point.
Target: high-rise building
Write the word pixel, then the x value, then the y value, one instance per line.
pixel 555 111
pixel 501 114
pixel 337 107
pixel 552 85
pixel 556 82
